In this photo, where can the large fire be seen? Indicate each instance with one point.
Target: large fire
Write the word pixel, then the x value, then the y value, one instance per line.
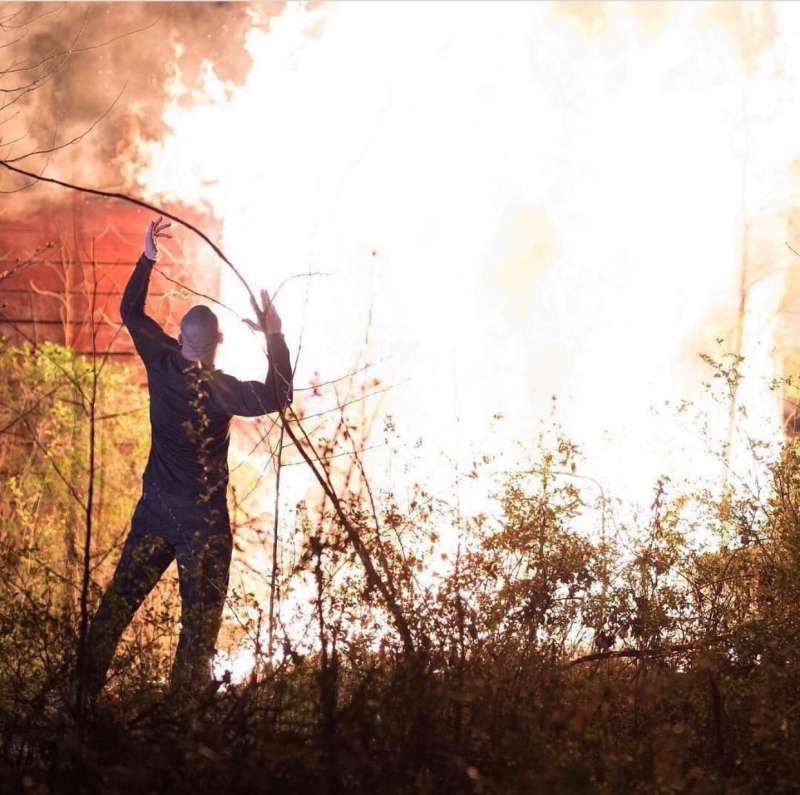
pixel 522 209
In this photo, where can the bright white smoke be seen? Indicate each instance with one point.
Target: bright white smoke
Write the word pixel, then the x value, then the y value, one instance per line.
pixel 511 209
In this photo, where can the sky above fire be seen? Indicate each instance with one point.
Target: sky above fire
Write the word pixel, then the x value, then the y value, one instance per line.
pixel 534 210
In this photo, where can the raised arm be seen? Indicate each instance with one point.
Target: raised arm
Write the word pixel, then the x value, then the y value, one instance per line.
pixel 254 398
pixel 148 337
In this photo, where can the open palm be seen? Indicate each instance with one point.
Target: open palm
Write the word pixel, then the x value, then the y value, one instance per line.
pixel 155 230
pixel 268 319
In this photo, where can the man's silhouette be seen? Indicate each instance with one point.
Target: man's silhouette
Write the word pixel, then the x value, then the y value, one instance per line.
pixel 182 513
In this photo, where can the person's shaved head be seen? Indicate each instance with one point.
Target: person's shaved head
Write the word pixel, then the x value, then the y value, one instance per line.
pixel 199 334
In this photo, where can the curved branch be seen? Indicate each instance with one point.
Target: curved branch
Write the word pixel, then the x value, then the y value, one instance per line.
pixel 320 472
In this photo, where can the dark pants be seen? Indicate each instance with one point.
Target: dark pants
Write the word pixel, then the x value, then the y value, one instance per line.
pixel 163 529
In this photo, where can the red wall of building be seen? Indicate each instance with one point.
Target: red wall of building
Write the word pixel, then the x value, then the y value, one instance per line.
pixel 47 291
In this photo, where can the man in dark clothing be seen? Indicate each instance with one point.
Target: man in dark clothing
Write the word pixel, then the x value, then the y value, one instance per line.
pixel 182 513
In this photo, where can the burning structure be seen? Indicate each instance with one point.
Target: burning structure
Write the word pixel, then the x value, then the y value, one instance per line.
pixel 541 278
pixel 66 265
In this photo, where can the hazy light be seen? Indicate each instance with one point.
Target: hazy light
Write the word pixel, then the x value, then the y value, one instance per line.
pixel 517 201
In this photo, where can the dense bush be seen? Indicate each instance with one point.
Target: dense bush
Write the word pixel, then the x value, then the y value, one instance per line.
pixel 545 658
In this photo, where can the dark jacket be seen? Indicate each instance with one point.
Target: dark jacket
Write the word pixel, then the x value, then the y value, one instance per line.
pixel 191 405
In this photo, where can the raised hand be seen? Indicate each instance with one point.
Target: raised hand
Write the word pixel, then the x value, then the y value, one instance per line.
pixel 155 230
pixel 267 317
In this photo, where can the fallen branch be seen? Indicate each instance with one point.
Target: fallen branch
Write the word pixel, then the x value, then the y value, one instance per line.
pixel 637 654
